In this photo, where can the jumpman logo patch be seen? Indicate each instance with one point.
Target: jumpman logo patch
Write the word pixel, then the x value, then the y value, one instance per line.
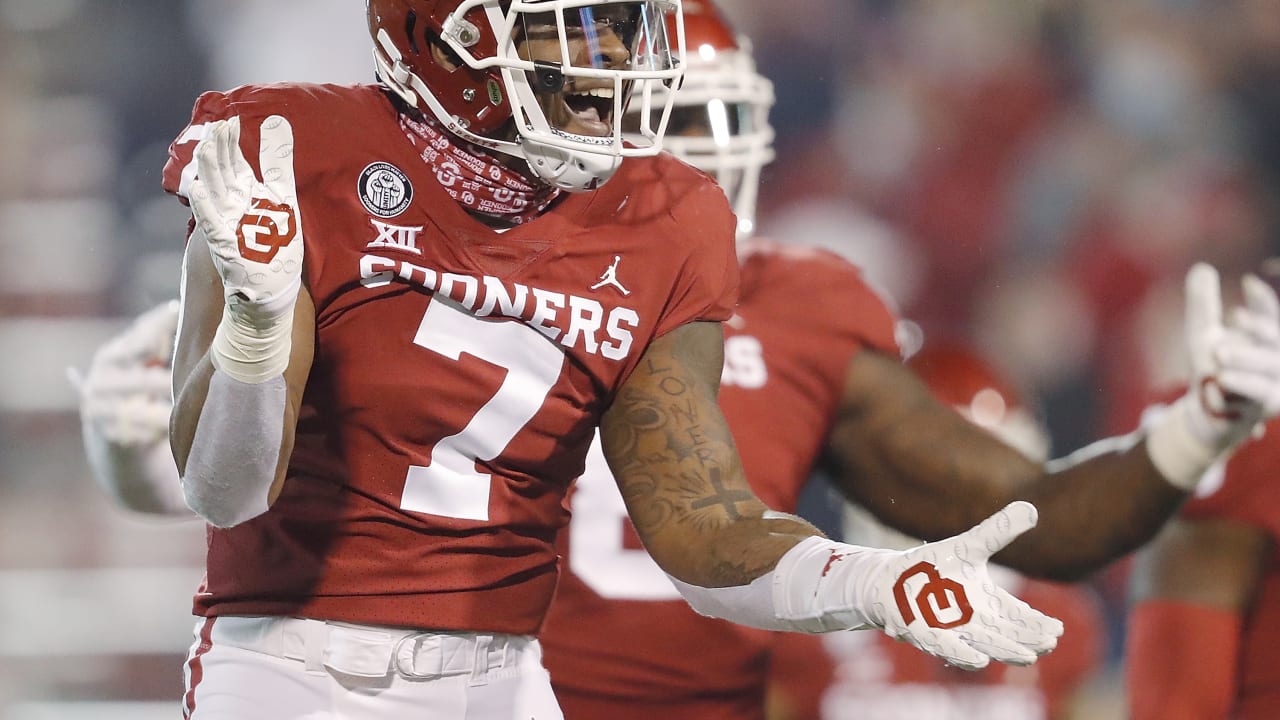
pixel 610 277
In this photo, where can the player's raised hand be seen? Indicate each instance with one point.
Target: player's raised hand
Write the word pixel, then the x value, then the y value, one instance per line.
pixel 942 600
pixel 252 225
pixel 254 231
pixel 1235 376
pixel 1248 356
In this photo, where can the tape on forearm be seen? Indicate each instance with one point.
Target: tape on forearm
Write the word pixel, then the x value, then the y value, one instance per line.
pixel 1175 447
pixel 253 341
pixel 233 458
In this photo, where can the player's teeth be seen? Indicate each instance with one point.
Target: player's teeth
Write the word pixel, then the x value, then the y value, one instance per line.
pixel 597 92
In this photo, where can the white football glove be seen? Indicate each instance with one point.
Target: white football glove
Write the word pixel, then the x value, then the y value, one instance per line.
pixel 1235 383
pixel 125 402
pixel 126 395
pixel 938 597
pixel 254 231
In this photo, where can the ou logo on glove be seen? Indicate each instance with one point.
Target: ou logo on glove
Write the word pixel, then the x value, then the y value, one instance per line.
pixel 937 591
pixel 265 228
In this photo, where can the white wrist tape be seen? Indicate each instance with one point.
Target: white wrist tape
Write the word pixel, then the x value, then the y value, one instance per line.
pixel 1180 447
pixel 233 458
pixel 805 592
pixel 254 340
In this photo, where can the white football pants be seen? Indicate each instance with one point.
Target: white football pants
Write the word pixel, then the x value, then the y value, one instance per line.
pixel 265 668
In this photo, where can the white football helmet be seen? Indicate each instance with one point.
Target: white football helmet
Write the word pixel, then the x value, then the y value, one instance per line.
pixel 720 123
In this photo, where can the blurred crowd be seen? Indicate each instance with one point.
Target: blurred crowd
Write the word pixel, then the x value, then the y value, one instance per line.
pixel 1033 176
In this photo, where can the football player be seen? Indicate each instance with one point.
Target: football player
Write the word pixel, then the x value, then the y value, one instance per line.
pixel 1201 637
pixel 812 375
pixel 871 677
pixel 380 431
pixel 385 530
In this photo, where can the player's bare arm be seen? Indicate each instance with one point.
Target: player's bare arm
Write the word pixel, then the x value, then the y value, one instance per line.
pixel 923 468
pixel 1213 562
pixel 903 456
pixel 731 557
pixel 674 459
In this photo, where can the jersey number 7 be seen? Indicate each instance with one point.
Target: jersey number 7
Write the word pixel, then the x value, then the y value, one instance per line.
pixel 450 486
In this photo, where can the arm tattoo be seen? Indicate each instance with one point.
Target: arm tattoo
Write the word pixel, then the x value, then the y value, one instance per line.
pixel 675 459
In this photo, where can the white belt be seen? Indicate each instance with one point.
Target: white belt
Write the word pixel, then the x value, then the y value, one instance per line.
pixel 370 650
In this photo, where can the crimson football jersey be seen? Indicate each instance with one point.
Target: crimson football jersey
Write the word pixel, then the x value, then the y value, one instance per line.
pixel 619 640
pixel 868 675
pixel 459 371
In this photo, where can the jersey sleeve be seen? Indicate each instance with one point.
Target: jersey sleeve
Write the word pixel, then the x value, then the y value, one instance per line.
pixel 861 311
pixel 829 296
pixel 252 103
pixel 707 285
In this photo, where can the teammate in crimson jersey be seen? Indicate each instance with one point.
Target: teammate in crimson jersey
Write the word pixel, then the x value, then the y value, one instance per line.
pixel 858 675
pixel 1202 632
pixel 380 422
pixel 811 375
pixel 401 566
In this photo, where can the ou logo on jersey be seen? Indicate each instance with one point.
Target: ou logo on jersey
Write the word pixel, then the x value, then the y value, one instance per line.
pixel 744 365
pixel 265 228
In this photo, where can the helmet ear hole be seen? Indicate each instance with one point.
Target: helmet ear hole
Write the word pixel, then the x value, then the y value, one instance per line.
pixel 444 56
pixel 410 25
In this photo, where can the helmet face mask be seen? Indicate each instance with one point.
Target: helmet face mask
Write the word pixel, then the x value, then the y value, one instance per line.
pixel 720 122
pixel 542 80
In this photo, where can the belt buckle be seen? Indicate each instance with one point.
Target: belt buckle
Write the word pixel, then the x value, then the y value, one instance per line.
pixel 411 648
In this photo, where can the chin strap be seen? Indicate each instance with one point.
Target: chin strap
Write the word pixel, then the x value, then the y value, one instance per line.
pixel 569 171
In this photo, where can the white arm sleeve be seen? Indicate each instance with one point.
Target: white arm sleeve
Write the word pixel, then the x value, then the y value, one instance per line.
pixel 236 448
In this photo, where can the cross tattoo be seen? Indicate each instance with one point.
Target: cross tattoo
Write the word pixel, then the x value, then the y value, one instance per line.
pixel 727 498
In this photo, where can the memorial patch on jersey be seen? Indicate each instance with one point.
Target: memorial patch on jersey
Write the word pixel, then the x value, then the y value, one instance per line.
pixel 384 189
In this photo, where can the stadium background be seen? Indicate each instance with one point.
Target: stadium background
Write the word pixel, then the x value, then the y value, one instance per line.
pixel 1032 176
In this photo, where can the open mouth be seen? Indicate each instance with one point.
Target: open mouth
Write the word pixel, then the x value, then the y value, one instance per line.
pixel 591 110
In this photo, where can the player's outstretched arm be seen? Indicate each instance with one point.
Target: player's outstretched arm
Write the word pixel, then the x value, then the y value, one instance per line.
pixel 125 400
pixel 245 344
pixel 731 557
pixel 1191 587
pixel 926 471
